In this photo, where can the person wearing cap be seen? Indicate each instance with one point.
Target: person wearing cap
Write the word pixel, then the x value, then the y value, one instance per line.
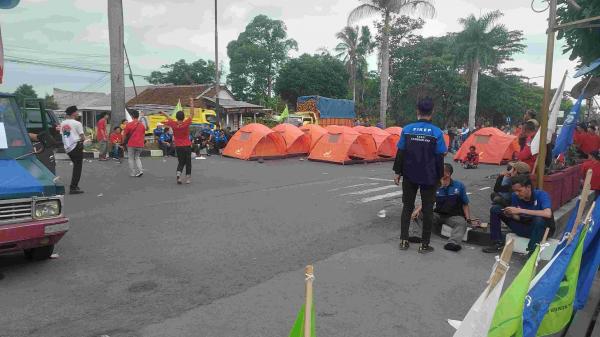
pixel 593 163
pixel 420 163
pixel 529 214
pixel 73 137
pixel 502 187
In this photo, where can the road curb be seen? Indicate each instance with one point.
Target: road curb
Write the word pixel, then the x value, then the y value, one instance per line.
pixel 96 154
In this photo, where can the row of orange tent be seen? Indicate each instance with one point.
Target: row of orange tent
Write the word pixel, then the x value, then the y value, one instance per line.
pixel 343 145
pixel 335 144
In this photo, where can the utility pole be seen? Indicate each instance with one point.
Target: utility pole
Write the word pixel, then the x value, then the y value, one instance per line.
pixel 117 62
pixel 217 82
pixel 541 160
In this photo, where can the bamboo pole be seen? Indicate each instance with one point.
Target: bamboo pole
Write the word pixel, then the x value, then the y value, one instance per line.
pixel 545 236
pixel 501 266
pixel 309 278
pixel 585 193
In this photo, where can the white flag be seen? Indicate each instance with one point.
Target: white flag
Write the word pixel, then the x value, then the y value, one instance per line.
pixel 552 117
pixel 478 319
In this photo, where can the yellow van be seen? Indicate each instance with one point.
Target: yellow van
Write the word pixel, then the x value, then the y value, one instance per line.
pixel 201 116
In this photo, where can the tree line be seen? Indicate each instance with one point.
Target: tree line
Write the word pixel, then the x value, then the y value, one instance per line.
pixel 463 72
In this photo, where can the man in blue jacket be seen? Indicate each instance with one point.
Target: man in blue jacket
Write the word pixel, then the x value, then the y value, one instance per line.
pixel 420 161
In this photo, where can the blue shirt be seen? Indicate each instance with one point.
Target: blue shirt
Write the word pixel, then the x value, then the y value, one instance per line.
pixel 540 200
pixel 450 200
pixel 165 137
pixel 423 147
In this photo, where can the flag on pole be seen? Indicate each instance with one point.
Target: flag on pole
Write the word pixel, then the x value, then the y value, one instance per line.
pixel 177 108
pixel 508 318
pixel 298 328
pixel 549 303
pixel 285 114
pixel 590 260
pixel 552 117
pixel 565 137
pixel 478 319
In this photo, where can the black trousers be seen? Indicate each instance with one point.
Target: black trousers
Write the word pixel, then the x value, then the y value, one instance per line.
pixel 184 158
pixel 409 194
pixel 76 156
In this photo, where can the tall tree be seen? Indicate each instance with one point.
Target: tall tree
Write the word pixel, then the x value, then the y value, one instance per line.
pixel 581 42
pixel 385 9
pixel 322 75
pixel 183 73
pixel 256 57
pixel 482 44
pixel 354 49
pixel 23 92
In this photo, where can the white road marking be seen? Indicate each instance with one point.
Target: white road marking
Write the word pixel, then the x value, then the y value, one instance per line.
pixel 370 190
pixel 484 188
pixel 381 196
pixel 351 186
pixel 380 179
pixel 469 193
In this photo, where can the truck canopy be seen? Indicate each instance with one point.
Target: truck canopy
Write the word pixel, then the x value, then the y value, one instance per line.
pixel 331 107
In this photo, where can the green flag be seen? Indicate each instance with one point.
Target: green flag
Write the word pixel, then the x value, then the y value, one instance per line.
pixel 560 310
pixel 298 328
pixel 177 108
pixel 508 318
pixel 285 114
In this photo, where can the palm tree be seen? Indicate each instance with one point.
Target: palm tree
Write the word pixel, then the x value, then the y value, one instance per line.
pixel 386 8
pixel 348 50
pixel 354 50
pixel 481 43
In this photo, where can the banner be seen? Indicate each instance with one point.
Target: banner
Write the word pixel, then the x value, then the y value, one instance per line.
pixel 298 328
pixel 508 318
pixel 590 261
pixel 565 137
pixel 552 117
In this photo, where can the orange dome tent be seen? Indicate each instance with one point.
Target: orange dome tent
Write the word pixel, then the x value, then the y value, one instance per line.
pixel 297 142
pixel 493 146
pixel 314 132
pixel 396 130
pixel 343 145
pixel 255 141
pixel 386 143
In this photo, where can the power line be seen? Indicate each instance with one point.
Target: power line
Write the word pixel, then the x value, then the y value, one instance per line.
pixel 23 60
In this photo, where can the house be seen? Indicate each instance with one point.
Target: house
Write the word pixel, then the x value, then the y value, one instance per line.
pixel 165 98
pixel 90 104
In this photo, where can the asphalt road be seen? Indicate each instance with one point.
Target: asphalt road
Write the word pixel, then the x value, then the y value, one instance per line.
pixel 145 250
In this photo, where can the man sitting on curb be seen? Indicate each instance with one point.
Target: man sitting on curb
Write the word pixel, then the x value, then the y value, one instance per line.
pixel 451 208
pixel 528 216
pixel 503 187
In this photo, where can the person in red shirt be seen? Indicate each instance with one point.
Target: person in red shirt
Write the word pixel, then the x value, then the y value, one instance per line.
pixel 593 163
pixel 183 144
pixel 134 140
pixel 472 159
pixel 525 155
pixel 116 141
pixel 101 136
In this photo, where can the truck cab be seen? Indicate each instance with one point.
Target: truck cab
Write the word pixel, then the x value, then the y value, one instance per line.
pixel 31 199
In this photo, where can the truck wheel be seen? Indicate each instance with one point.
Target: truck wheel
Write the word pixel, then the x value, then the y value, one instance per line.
pixel 40 253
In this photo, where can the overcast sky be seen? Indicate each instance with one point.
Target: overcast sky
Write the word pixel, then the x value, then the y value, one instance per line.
pixel 158 32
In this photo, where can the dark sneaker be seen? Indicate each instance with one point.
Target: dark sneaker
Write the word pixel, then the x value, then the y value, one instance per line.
pixel 75 191
pixel 425 248
pixel 403 245
pixel 453 247
pixel 414 239
pixel 495 248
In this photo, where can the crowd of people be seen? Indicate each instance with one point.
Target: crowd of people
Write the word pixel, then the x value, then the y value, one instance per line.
pixel 419 166
pixel 527 211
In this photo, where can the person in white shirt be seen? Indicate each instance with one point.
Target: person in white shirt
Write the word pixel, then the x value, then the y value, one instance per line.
pixel 73 137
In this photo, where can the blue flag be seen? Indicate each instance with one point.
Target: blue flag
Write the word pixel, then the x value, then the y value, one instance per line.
pixel 590 261
pixel 565 137
pixel 544 288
